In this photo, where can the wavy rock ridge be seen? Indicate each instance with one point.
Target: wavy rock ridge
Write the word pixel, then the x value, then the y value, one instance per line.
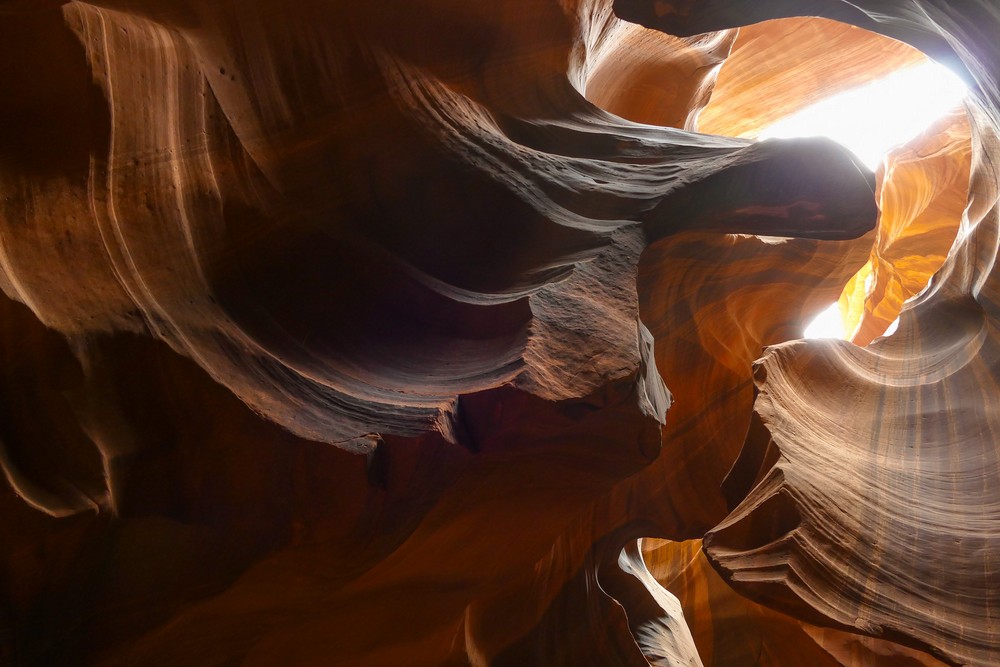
pixel 380 334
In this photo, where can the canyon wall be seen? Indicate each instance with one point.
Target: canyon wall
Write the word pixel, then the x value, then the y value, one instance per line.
pixel 457 333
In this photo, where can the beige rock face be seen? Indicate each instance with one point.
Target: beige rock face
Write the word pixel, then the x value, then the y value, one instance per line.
pixel 380 333
pixel 729 629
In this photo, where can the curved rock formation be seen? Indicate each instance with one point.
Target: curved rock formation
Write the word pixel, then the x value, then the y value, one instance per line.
pixel 731 630
pixel 346 335
pixel 923 189
pixel 779 67
pixel 870 523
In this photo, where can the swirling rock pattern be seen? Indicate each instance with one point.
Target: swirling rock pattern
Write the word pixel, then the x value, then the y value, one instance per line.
pixel 868 522
pixel 346 334
pixel 778 67
pixel 923 189
pixel 732 630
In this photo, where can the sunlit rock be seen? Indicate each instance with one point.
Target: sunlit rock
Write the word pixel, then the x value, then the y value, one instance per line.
pixel 381 333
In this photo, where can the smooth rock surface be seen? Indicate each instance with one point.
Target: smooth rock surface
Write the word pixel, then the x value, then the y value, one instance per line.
pixel 381 333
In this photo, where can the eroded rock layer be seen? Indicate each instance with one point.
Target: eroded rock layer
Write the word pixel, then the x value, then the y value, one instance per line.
pixel 729 629
pixel 923 189
pixel 348 335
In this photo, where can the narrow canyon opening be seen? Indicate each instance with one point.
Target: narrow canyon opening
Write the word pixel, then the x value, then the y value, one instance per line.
pixel 346 334
pixel 903 116
pixel 875 121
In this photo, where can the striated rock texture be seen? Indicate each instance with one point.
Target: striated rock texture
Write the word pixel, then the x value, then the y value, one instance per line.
pixel 778 67
pixel 347 334
pixel 732 630
pixel 923 189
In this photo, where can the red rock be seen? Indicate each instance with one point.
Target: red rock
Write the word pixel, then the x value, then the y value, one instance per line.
pixel 344 334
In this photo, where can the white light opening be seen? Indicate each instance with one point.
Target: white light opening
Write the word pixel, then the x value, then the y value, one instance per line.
pixel 871 119
pixel 828 324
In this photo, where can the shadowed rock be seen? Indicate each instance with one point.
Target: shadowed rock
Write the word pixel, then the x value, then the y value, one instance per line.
pixel 342 334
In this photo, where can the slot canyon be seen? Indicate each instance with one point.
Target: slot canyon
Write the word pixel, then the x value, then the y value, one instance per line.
pixel 457 332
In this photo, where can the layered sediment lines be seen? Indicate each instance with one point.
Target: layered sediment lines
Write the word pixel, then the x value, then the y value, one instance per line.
pixel 923 190
pixel 380 334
